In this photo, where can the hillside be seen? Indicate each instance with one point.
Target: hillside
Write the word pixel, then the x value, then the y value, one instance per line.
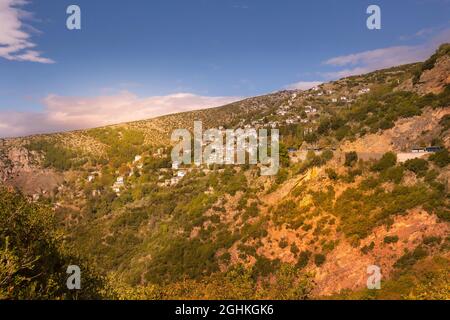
pixel 352 192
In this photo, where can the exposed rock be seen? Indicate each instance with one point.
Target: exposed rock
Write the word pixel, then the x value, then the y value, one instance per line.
pixel 435 79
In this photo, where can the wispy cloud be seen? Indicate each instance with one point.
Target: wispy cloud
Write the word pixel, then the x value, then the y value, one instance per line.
pixel 303 85
pixel 15 37
pixel 69 113
pixel 419 34
pixel 371 60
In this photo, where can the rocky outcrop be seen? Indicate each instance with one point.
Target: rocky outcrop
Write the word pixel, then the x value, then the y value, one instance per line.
pixel 406 134
pixel 20 168
pixel 435 79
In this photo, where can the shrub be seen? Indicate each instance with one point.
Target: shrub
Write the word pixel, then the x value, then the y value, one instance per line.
pixel 327 155
pixel 389 159
pixel 303 259
pixel 440 158
pixel 283 243
pixel 264 267
pixel 226 257
pixel 432 240
pixel 360 212
pixel 350 158
pixel 445 122
pixel 390 239
pixel 319 259
pixel 368 248
pixel 410 258
pixel 394 174
pixel 332 175
pixel 282 176
pixel 417 165
pixel 294 249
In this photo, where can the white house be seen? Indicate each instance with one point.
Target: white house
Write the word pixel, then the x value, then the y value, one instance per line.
pixel 118 185
pixel 364 90
pixel 116 189
pixel 310 109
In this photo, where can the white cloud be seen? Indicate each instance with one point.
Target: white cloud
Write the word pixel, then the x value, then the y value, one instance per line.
pixel 15 42
pixel 303 85
pixel 371 60
pixel 69 113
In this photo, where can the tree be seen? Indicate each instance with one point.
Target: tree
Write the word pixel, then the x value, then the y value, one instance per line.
pixel 33 261
pixel 284 155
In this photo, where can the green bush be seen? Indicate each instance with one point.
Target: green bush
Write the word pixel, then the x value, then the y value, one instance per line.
pixel 294 249
pixel 432 240
pixel 351 158
pixel 390 239
pixel 368 248
pixel 264 267
pixel 418 166
pixel 332 175
pixel 303 259
pixel 33 258
pixel 360 211
pixel 394 174
pixel 389 159
pixel 55 155
pixel 319 259
pixel 327 155
pixel 410 258
pixel 283 243
pixel 440 158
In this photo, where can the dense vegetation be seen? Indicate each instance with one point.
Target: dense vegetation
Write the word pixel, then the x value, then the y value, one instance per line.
pixel 33 259
pixel 55 155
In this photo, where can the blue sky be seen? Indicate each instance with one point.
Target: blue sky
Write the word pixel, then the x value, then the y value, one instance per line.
pixel 152 57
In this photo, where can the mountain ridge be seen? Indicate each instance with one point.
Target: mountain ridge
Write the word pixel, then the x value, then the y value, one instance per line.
pixel 350 193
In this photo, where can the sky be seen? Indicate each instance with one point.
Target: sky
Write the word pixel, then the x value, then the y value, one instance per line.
pixel 139 59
